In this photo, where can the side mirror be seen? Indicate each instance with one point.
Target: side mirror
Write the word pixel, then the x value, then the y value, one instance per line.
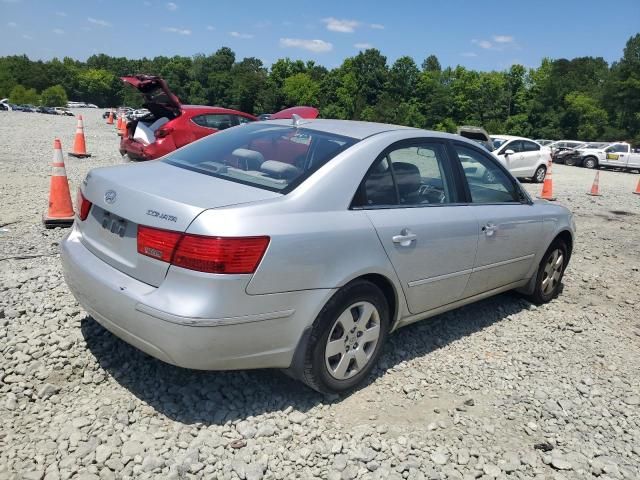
pixel 508 152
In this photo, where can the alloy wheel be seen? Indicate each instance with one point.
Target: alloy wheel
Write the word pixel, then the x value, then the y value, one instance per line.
pixel 552 271
pixel 352 340
pixel 540 174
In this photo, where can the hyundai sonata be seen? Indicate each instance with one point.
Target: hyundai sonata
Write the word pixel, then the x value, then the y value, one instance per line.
pixel 301 245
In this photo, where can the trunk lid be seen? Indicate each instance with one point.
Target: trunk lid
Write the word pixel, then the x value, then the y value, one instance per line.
pixel 154 194
pixel 304 112
pixel 158 98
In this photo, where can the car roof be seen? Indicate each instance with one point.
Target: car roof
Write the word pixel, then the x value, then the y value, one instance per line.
pixel 511 137
pixel 208 109
pixel 350 128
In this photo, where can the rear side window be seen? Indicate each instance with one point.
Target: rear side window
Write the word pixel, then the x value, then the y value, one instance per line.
pixel 407 176
pixel 530 146
pixel 488 183
pixel 273 157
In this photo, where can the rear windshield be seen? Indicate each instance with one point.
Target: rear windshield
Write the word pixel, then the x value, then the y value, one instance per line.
pixel 272 157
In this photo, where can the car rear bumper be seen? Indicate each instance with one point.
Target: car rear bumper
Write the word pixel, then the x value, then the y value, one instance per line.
pixel 243 337
pixel 139 151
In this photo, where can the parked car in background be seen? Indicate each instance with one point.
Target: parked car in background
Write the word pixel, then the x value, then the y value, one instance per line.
pixel 63 111
pixel 543 142
pixel 302 244
pixel 523 157
pixel 4 107
pixel 617 155
pixel 47 110
pixel 264 116
pixel 171 125
pixel 29 108
pixel 477 134
pixel 569 156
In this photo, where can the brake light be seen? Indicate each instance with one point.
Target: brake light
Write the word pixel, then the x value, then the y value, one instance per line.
pixel 83 206
pixel 220 254
pixel 163 132
pixel 156 243
pixel 229 255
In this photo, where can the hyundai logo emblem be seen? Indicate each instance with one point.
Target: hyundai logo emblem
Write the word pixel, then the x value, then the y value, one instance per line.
pixel 110 196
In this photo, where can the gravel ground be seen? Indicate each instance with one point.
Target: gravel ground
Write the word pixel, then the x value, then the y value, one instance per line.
pixel 500 389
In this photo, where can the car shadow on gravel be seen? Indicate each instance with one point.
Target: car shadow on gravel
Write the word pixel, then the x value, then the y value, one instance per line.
pixel 191 396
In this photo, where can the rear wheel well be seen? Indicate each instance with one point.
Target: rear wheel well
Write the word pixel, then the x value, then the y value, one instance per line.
pixel 384 284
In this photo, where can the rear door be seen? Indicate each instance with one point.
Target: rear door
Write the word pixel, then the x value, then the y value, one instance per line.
pixel 513 162
pixel 531 158
pixel 411 198
pixel 616 155
pixel 509 228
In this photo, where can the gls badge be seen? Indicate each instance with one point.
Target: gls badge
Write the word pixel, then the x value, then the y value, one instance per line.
pixel 110 196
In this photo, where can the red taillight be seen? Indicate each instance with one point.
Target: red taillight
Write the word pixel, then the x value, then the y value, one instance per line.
pixel 220 254
pixel 156 243
pixel 163 132
pixel 83 206
pixel 230 255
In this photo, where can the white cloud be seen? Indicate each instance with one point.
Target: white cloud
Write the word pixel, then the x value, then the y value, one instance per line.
pixel 316 46
pixel 244 36
pixel 179 31
pixel 61 14
pixel 97 21
pixel 12 24
pixel 340 25
pixel 27 37
pixel 58 31
pixel 377 26
pixel 362 46
pixel 469 54
pixel 486 44
pixel 211 28
pixel 172 6
pixel 502 38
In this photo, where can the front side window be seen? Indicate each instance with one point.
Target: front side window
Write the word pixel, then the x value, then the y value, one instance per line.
pixel 407 176
pixel 514 145
pixel 530 146
pixel 272 157
pixel 617 148
pixel 488 183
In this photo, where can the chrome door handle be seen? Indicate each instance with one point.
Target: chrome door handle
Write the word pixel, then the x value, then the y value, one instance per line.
pixel 405 238
pixel 489 229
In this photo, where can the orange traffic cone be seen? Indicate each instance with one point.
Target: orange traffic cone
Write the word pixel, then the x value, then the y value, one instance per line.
pixel 60 211
pixel 637 192
pixel 595 188
pixel 79 146
pixel 123 127
pixel 119 123
pixel 547 185
pixel 110 118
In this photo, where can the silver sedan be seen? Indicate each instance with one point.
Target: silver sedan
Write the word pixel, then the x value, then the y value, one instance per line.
pixel 301 245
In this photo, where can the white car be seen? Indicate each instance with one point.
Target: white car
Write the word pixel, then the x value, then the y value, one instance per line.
pixel 619 155
pixel 523 157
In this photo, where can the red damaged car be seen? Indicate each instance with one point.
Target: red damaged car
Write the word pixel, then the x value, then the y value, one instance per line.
pixel 171 125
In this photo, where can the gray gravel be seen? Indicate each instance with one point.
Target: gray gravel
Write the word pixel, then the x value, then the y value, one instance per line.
pixel 501 389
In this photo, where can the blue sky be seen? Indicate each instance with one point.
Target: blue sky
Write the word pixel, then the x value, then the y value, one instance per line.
pixel 482 35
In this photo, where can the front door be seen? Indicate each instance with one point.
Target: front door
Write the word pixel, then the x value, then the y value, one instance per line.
pixel 509 228
pixel 410 197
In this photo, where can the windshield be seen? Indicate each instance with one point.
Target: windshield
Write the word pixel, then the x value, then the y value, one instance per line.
pixel 263 155
pixel 497 142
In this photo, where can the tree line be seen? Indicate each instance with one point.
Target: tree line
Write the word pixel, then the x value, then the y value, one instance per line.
pixel 583 98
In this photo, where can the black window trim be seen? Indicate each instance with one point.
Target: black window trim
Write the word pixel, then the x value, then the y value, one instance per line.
pixel 234 120
pixel 449 171
pixel 525 199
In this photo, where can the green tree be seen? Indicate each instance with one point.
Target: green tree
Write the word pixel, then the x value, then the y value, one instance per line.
pixel 301 89
pixel 431 64
pixel 54 97
pixel 21 95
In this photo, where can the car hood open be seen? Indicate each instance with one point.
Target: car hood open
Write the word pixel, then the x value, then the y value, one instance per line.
pixel 158 98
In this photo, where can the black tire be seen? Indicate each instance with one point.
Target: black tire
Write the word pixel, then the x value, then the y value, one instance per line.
pixel 315 372
pixel 590 162
pixel 539 295
pixel 540 173
pixel 570 161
